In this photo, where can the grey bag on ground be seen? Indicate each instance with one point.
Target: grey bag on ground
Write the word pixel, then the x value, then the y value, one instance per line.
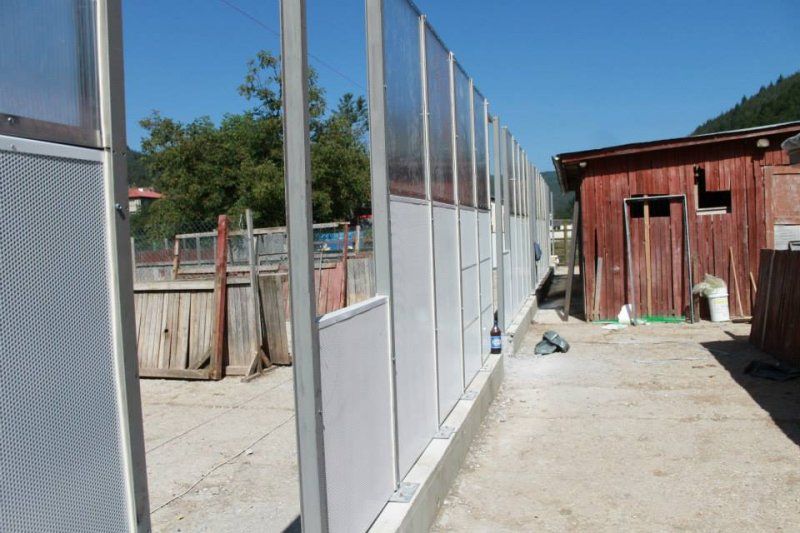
pixel 551 342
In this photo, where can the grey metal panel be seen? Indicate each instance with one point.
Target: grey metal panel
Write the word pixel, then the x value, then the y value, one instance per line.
pixel 469 237
pixel 470 293
pixel 412 301
pixel 484 246
pixel 507 293
pixel 448 308
pixel 357 409
pixel 471 317
pixel 58 429
pixel 403 99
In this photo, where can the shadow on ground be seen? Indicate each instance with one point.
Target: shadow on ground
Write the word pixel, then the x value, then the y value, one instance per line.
pixel 553 294
pixel 780 399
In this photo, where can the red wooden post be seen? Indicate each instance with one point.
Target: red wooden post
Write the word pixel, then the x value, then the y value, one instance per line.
pixel 220 298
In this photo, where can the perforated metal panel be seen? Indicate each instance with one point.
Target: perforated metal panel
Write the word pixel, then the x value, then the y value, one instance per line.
pixel 60 445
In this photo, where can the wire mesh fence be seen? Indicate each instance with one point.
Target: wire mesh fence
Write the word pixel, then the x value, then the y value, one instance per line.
pixel 188 250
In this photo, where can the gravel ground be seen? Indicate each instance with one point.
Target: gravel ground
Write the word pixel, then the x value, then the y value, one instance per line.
pixel 654 428
pixel 221 456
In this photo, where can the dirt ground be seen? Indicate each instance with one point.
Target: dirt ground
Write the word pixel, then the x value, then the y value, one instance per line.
pixel 651 428
pixel 221 456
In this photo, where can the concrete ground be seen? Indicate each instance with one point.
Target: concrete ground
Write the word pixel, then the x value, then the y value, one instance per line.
pixel 221 456
pixel 652 428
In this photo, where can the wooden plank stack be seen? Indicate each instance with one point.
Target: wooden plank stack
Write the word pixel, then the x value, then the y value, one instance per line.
pixel 776 318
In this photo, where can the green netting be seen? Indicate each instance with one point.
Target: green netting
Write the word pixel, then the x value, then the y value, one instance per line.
pixel 648 318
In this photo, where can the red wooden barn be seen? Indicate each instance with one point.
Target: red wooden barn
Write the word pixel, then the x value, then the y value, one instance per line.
pixel 741 196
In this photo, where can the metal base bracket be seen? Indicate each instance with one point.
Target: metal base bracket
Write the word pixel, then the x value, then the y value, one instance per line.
pixel 470 395
pixel 404 493
pixel 445 432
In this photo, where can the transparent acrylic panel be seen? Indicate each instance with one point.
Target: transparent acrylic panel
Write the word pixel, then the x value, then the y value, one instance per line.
pixel 404 142
pixel 48 66
pixel 511 145
pixel 440 126
pixel 463 121
pixel 481 157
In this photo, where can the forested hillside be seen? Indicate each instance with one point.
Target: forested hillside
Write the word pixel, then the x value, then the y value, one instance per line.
pixel 562 203
pixel 777 102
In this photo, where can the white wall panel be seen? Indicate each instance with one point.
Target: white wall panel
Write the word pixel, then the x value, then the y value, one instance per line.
pixel 507 293
pixel 470 293
pixel 356 407
pixel 448 308
pixel 485 253
pixel 471 322
pixel 412 291
pixel 469 237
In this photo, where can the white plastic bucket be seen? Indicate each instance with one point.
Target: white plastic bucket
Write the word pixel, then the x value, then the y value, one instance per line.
pixel 718 305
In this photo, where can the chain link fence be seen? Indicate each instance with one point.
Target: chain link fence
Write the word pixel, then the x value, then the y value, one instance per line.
pixel 188 250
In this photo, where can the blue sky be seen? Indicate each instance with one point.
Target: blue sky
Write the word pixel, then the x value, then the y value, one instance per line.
pixel 564 75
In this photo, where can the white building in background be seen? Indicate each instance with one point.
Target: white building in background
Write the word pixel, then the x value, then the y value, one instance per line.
pixel 140 197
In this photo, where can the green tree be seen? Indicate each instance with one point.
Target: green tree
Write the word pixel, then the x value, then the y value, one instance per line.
pixel 205 170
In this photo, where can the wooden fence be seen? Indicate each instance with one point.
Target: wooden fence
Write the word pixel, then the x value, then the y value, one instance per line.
pixel 776 318
pixel 205 329
pixel 193 327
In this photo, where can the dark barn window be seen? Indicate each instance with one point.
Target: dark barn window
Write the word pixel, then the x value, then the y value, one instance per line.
pixel 709 202
pixel 658 208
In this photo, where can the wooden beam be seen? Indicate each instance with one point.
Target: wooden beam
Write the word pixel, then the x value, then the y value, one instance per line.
pixel 174 373
pixel 598 284
pixel 178 286
pixel 220 298
pixel 571 265
pixel 736 282
pixel 648 265
pixel 256 334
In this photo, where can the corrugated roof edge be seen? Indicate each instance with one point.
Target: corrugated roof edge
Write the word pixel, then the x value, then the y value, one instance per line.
pixel 622 149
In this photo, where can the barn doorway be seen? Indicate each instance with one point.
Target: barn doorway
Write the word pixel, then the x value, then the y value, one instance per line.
pixel 658 257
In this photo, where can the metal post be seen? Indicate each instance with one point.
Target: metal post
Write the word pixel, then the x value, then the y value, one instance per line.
pixel 532 211
pixel 112 97
pixel 381 234
pixel 305 333
pixel 499 161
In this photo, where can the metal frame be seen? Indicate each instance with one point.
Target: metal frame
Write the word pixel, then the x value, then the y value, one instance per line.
pixel 299 220
pixel 112 119
pixel 688 247
pixel 426 149
pixel 381 223
pixel 457 202
pixel 498 147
